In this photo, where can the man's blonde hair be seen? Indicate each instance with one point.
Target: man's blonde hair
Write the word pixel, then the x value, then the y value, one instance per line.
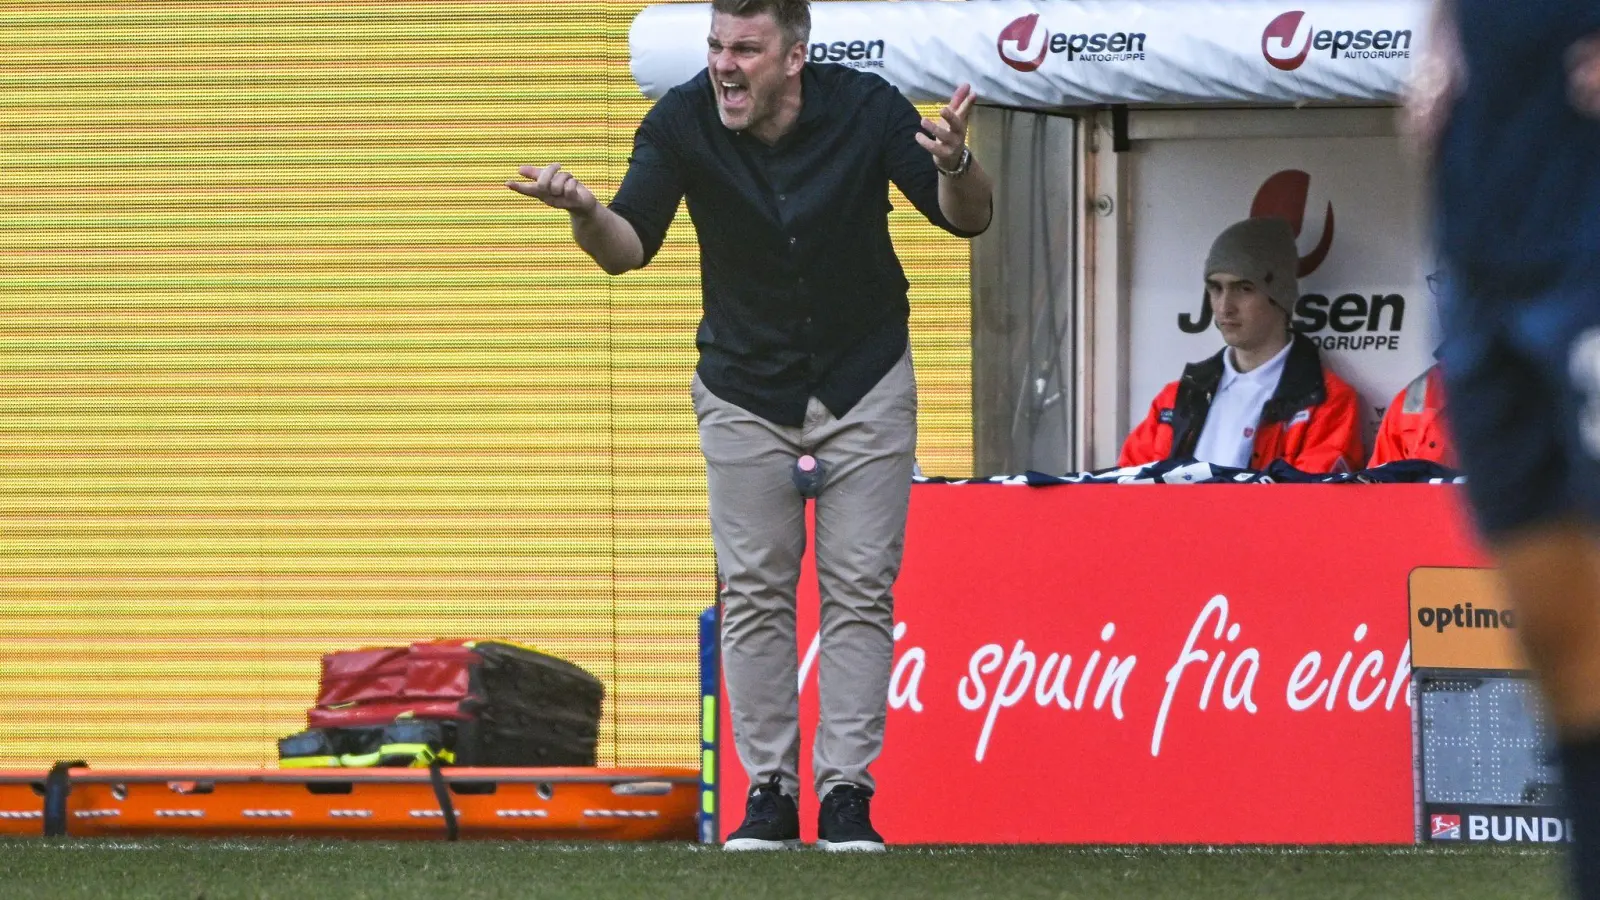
pixel 793 16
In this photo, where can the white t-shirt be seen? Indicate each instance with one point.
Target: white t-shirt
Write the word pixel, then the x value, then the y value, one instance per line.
pixel 1230 431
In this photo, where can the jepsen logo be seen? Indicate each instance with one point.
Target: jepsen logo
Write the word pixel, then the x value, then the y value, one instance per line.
pixel 1283 196
pixel 859 54
pixel 1018 47
pixel 1024 45
pixel 1287 41
pixel 1364 320
pixel 1445 828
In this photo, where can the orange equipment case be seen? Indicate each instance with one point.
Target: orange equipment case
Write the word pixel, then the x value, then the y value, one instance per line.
pixel 521 803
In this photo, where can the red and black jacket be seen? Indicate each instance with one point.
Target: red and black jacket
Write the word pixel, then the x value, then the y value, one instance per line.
pixel 1312 421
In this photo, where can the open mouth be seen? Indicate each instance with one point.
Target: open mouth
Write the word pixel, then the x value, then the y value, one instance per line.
pixel 733 93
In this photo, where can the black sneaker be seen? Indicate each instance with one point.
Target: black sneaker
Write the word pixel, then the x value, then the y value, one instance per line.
pixel 771 821
pixel 845 823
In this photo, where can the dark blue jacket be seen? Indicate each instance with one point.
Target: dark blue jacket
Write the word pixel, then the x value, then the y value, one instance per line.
pixel 1517 179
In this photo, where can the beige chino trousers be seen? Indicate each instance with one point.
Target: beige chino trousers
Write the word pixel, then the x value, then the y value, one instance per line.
pixel 758 527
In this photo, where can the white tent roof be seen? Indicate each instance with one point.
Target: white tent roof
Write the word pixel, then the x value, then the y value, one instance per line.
pixel 1057 54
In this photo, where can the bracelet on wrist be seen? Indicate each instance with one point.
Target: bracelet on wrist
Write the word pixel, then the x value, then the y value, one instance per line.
pixel 961 167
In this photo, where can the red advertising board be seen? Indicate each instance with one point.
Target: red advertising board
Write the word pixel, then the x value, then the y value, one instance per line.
pixel 1147 664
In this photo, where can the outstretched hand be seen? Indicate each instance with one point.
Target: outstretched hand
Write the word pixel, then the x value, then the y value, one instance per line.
pixel 1583 75
pixel 949 134
pixel 554 187
pixel 1435 82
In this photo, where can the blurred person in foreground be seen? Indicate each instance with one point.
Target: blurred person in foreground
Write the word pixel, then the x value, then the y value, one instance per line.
pixel 804 351
pixel 1506 108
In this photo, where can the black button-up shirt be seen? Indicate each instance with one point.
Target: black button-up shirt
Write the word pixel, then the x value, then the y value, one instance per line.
pixel 803 295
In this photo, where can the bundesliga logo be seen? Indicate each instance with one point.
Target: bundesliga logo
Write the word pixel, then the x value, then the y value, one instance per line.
pixel 1446 828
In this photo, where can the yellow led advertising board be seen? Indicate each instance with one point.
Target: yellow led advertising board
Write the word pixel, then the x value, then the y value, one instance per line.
pixel 285 369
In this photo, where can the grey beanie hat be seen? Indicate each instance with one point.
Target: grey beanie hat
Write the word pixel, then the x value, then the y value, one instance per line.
pixel 1262 251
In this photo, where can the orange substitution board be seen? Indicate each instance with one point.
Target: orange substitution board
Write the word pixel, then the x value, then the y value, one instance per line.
pixel 1460 619
pixel 1483 768
pixel 560 803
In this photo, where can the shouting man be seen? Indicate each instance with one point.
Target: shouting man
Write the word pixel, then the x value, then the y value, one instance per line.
pixel 804 352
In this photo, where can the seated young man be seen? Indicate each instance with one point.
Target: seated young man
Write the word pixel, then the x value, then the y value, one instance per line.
pixel 1413 425
pixel 1266 395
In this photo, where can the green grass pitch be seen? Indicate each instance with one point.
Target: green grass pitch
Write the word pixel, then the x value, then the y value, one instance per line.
pixel 304 870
